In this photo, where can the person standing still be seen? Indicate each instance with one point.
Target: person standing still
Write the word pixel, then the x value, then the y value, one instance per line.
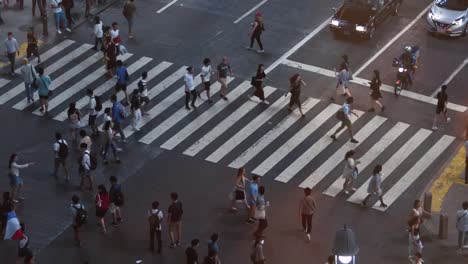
pixel 307 208
pixel 374 187
pixel 29 77
pixel 75 210
pixel 256 32
pixel 16 181
pixel 122 80
pixel 462 227
pixel 252 198
pixel 174 220
pixel 375 94
pixel 129 11
pixel 213 247
pixel 33 45
pixel 257 81
pixel 93 112
pixel 205 75
pixel 441 108
pixel 68 5
pixel 224 70
pixel 59 15
pixel 84 166
pixel 344 115
pixel 189 88
pixel 295 83
pixel 98 33
pixel 191 252
pixel 43 84
pixel 61 150
pixel 155 218
pixel 12 49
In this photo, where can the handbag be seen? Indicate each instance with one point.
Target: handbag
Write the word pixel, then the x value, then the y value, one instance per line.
pixel 33 84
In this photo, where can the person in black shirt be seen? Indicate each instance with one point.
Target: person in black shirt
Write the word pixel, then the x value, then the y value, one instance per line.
pixel 375 92
pixel 258 83
pixel 174 217
pixel 441 109
pixel 191 252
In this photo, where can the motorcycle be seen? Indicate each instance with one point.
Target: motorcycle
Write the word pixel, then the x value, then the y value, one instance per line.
pixel 404 74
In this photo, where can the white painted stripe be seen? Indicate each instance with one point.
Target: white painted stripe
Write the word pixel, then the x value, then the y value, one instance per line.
pixel 205 117
pixel 398 158
pixel 248 130
pixel 337 157
pixel 174 118
pixel 395 38
pixel 364 82
pixel 227 123
pixel 273 134
pixel 52 68
pixel 370 155
pixel 298 45
pixel 313 151
pixel 77 87
pixel 250 11
pixel 166 6
pixel 415 172
pixel 450 78
pixel 109 84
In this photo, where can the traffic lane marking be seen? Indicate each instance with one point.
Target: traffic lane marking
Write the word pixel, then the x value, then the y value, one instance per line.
pixel 449 176
pixel 250 11
pixel 450 78
pixel 166 6
pixel 22 51
pixel 364 82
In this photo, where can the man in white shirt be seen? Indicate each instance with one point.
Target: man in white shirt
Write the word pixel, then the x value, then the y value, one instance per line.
pixel 12 49
pixel 61 153
pixel 59 15
pixel 189 88
pixel 462 226
pixel 155 218
pixel 205 74
pixel 92 112
pixel 85 166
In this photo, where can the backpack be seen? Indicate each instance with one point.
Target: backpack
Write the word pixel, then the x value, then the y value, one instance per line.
pixel 63 149
pixel 92 160
pixel 98 106
pixel 340 115
pixel 81 217
pixel 154 220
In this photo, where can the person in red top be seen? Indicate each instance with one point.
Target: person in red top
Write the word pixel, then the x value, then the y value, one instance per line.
pixel 102 205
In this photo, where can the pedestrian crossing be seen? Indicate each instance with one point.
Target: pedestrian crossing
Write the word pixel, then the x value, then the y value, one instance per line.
pixel 267 139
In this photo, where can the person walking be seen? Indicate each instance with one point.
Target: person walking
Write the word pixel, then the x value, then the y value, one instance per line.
pixel 59 15
pixel 61 151
pixel 375 94
pixel 78 217
pixel 135 107
pixel 260 212
pixel 257 82
pixel 418 209
pixel 462 227
pixel 174 220
pixel 343 77
pixel 129 11
pixel 414 239
pixel 257 256
pixel 441 108
pixel 331 260
pixel 115 36
pixel 143 91
pixel 33 45
pixel 16 181
pixel 117 117
pixel 344 115
pixel 116 198
pixel 122 80
pixel 224 70
pixel 374 187
pixel 88 4
pixel 98 33
pixel 213 247
pixel 102 205
pixel 155 219
pixel 189 89
pixel 350 172
pixel 239 190
pixel 68 5
pixel 84 167
pixel 12 49
pixel 253 197
pixel 109 142
pixel 110 56
pixel 295 83
pixel 307 209
pixel 205 75
pixel 84 138
pixel 191 252
pixel 43 84
pixel 256 32
pixel 94 105
pixel 74 121
pixel 29 78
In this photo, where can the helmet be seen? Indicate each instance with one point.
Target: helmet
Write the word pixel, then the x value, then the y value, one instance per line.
pixel 408 49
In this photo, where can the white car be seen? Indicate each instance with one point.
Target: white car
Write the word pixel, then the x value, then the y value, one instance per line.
pixel 448 17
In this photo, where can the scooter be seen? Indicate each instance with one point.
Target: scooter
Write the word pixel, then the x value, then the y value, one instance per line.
pixel 402 77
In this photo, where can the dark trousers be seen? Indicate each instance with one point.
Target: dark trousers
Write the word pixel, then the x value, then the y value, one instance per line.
pixel 307 223
pixel 152 232
pixel 262 225
pixel 98 41
pixel 257 38
pixel 187 97
pixel 259 91
pixel 44 4
pixel 69 16
pixel 12 58
pixel 118 128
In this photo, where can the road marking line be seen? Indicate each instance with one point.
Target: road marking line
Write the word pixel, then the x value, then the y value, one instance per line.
pixel 248 130
pixel 109 84
pixel 226 124
pixel 205 117
pixel 298 45
pixel 372 154
pixel 337 158
pixel 166 6
pixel 314 150
pixel 177 116
pixel 449 79
pixel 415 172
pixel 273 134
pixel 364 82
pixel 395 38
pixel 250 11
pixel 392 164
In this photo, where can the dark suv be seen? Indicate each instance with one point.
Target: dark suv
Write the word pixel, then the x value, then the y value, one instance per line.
pixel 360 17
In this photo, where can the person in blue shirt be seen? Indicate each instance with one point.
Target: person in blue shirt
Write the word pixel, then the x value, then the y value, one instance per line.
pixel 213 247
pixel 117 116
pixel 43 83
pixel 122 79
pixel 346 120
pixel 252 197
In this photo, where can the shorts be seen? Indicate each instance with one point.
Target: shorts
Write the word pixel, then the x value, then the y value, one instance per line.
pixel 92 120
pixel 207 85
pixel 45 97
pixel 15 180
pixel 113 208
pixel 223 81
pixel 121 87
pixel 145 100
pixel 100 212
pixel 174 225
pixel 441 109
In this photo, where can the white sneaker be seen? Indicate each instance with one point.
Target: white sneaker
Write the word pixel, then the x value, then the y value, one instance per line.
pixel 260 51
pixel 308 237
pixel 353 189
pixel 59 31
pixel 346 192
pixel 434 128
pixel 448 120
pixel 265 102
pixel 68 29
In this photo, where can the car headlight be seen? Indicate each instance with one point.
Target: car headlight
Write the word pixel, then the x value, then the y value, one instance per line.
pixel 335 22
pixel 430 15
pixel 459 21
pixel 361 28
pixel 401 69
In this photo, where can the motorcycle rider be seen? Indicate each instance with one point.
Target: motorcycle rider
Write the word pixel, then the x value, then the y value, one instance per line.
pixel 408 60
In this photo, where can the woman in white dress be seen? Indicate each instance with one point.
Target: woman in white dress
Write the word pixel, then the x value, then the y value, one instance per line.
pixel 350 172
